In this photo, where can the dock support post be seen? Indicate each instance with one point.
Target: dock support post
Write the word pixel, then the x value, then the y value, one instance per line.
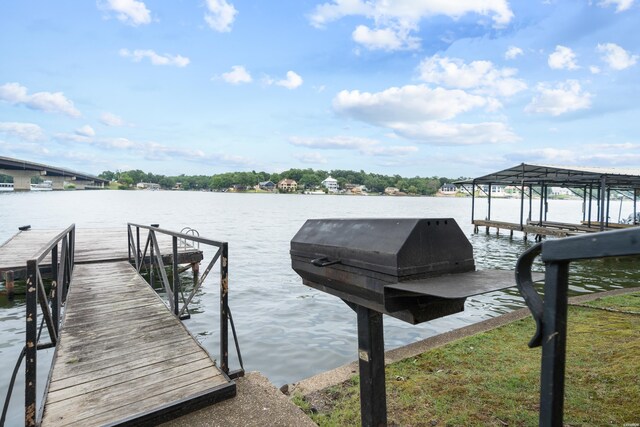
pixel 590 202
pixel 541 203
pixel 489 203
pixel 224 312
pixel 634 206
pixel 473 201
pixel 601 192
pixel 606 221
pixel 9 284
pixel 521 205
pixel 530 203
pixel 584 203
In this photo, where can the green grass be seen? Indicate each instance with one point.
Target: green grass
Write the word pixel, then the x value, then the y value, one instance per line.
pixel 492 379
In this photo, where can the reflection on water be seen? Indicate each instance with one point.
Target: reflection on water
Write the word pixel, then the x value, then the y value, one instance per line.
pixel 286 330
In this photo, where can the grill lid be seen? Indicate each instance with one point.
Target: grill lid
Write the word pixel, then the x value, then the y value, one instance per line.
pixel 402 248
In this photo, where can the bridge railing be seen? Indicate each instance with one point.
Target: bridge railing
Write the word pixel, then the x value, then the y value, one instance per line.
pixel 150 255
pixel 59 255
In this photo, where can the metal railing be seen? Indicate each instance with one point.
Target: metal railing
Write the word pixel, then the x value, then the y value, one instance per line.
pixel 60 253
pixel 151 256
pixel 550 314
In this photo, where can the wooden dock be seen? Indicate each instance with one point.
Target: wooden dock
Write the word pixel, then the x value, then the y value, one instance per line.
pixel 123 356
pixel 92 245
pixel 544 228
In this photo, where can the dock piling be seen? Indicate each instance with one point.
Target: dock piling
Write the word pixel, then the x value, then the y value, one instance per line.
pixel 9 284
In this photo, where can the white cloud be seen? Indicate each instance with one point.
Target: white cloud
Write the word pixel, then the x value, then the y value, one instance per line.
pixel 395 20
pixel 220 15
pixel 616 57
pixel 594 69
pixel 562 98
pixel 313 158
pixel 49 102
pixel 412 103
pixel 513 52
pixel 23 131
pixel 110 119
pixel 621 5
pixel 385 39
pixel 292 81
pixel 131 12
pixel 479 75
pixel 563 58
pixel 410 12
pixel 156 59
pixel 446 133
pixel 366 146
pixel 237 75
pixel 85 130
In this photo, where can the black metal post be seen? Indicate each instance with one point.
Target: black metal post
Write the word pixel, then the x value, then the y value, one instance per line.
pixel 224 311
pixel 151 265
pixel 603 186
pixel 31 344
pixel 541 203
pixel 590 202
pixel 554 338
pixel 129 239
pixel 546 202
pixel 176 277
pixel 521 204
pixel 373 399
pixel 138 254
pixel 55 289
pixel 473 200
pixel 530 202
pixel 489 203
pixel 584 203
pixel 606 218
pixel 634 206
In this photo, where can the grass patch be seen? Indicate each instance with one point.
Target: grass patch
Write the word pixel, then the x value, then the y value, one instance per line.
pixel 492 379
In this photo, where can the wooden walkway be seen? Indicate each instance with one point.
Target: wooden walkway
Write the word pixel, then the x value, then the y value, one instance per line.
pixel 123 356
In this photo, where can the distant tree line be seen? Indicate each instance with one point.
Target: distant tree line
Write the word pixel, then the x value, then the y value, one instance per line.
pixel 306 179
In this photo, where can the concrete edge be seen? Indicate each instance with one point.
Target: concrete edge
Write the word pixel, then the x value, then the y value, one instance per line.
pixel 343 373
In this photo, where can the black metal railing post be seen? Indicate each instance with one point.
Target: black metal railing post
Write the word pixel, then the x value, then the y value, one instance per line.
pixel 550 314
pixel 56 299
pixel 176 277
pixel 554 343
pixel 31 344
pixel 224 301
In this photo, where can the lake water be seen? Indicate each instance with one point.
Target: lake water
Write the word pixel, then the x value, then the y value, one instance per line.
pixel 286 330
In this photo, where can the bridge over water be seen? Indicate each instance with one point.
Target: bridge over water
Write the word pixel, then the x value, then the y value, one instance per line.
pixel 22 171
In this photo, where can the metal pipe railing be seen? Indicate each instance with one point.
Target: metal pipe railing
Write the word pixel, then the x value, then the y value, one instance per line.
pixel 550 314
pixel 60 249
pixel 179 240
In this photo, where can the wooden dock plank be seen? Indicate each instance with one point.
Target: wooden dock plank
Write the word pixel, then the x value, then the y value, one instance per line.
pixel 107 369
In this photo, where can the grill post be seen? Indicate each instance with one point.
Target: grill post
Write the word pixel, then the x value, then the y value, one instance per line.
pixel 373 400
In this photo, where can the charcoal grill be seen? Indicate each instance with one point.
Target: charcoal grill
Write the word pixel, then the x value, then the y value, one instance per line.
pixel 411 269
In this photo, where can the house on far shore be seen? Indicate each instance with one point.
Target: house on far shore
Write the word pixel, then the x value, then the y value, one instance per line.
pixel 448 189
pixel 148 186
pixel 391 191
pixel 355 189
pixel 287 185
pixel 266 186
pixel 331 184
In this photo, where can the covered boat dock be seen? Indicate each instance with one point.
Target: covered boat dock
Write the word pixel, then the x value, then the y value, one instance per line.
pixel 596 187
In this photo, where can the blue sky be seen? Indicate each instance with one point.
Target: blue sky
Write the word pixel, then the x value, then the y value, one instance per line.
pixel 408 87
